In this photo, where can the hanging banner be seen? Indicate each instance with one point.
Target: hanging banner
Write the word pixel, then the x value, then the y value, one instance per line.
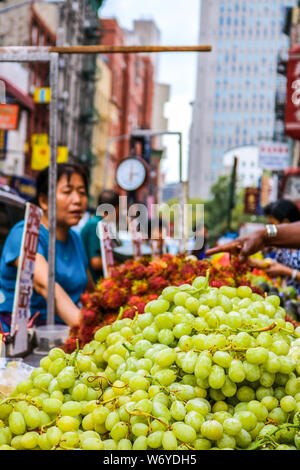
pixel 24 281
pixel 274 156
pixel 265 190
pixel 251 201
pixel 292 106
pixel 107 255
pixel 9 117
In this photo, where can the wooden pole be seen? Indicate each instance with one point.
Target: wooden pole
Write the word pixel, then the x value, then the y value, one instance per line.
pixel 126 49
pixel 232 192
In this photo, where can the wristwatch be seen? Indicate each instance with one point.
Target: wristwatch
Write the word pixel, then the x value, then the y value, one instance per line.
pixel 271 230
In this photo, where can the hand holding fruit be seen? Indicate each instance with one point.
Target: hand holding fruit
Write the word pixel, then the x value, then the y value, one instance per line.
pixel 242 246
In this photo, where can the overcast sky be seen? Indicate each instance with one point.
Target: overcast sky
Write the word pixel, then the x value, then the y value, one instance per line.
pixel 178 22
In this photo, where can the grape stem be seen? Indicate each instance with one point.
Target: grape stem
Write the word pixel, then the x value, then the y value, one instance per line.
pixel 128 349
pixel 28 400
pixel 41 430
pixel 74 361
pixel 187 445
pixel 135 317
pixel 107 401
pixel 121 311
pixel 268 438
pixel 144 413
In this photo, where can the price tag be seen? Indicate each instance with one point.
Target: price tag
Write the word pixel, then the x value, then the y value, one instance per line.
pixel 24 282
pixel 106 247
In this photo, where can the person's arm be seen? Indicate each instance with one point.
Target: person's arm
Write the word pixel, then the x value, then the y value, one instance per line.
pixel 90 287
pixel 64 306
pixel 279 269
pixel 288 236
pixel 92 246
pixel 96 263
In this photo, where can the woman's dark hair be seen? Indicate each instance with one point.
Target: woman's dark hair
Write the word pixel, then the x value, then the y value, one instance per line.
pixel 68 169
pixel 108 196
pixel 283 209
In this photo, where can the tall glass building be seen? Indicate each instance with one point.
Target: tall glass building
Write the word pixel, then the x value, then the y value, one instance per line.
pixel 236 82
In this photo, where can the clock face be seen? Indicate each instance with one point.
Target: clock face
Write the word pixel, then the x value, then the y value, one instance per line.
pixel 131 174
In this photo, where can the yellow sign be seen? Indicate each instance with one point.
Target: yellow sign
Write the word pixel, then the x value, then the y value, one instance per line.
pixel 39 139
pixel 42 95
pixel 40 157
pixel 62 154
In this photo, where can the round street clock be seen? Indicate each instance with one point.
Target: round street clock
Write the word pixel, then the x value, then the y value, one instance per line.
pixel 131 174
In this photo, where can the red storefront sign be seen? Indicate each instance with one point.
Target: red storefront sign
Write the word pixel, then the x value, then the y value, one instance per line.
pixel 292 108
pixel 9 115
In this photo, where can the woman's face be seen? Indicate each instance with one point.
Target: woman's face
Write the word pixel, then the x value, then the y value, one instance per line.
pixel 71 200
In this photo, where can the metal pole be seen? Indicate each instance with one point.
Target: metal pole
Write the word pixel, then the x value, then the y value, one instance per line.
pixel 182 199
pixel 52 188
pixel 180 156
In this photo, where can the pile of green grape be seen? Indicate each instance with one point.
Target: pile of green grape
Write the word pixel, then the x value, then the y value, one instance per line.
pixel 202 369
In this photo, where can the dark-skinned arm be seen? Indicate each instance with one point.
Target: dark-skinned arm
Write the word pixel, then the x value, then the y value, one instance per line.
pixel 288 236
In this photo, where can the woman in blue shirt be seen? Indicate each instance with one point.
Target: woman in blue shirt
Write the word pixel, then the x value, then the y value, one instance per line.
pixel 72 276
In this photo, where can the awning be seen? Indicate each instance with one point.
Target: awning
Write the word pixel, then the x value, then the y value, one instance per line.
pixel 19 95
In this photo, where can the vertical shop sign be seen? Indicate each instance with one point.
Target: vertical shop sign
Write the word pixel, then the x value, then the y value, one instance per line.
pixel 24 282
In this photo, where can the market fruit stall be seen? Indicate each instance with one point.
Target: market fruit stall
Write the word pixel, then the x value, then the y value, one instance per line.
pixel 202 368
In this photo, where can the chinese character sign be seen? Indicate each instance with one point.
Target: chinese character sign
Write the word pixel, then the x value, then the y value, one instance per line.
pixel 106 247
pixel 274 156
pixel 24 282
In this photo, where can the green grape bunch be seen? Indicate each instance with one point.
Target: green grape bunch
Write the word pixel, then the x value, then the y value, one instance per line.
pixel 203 368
